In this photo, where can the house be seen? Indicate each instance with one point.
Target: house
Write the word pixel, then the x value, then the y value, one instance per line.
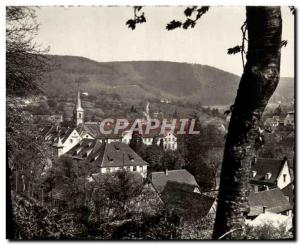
pixel 289 119
pixel 272 123
pixel 111 157
pixel 268 173
pixel 272 200
pixel 180 193
pixel 62 139
pixel 168 138
pixel 180 177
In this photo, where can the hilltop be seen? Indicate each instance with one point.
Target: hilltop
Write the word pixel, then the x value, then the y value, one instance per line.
pixel 140 80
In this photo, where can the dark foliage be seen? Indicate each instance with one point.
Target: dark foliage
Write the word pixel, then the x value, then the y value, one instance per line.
pixel 139 18
pixel 173 25
pixel 24 64
pixel 234 50
pixel 284 43
pixel 189 22
pixel 292 9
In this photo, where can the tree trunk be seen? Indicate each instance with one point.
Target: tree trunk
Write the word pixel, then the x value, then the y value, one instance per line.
pixel 258 83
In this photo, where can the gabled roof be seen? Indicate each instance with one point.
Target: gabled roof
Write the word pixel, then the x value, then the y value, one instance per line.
pixel 56 132
pixel 115 154
pixel 180 176
pixel 264 166
pixel 93 129
pixel 84 148
pixel 273 199
pixel 187 204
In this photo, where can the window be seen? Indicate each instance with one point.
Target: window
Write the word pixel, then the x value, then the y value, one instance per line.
pixel 284 178
pixel 134 168
pixel 79 115
pixel 71 141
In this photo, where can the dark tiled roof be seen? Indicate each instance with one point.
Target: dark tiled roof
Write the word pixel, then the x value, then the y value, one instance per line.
pixel 187 204
pixel 181 176
pixel 264 166
pixel 93 129
pixel 115 154
pixel 84 148
pixel 173 185
pixel 272 199
pixel 56 132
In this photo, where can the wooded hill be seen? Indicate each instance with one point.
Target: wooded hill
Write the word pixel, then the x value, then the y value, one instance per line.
pixel 138 80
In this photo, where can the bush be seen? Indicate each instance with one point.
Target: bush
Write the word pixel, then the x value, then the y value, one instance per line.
pixel 267 232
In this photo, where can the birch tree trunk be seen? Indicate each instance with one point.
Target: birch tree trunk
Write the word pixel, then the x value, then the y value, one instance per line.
pixel 258 83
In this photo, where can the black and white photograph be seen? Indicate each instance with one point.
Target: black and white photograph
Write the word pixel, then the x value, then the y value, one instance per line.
pixel 165 122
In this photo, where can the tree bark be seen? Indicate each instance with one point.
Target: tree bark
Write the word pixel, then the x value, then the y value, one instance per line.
pixel 258 83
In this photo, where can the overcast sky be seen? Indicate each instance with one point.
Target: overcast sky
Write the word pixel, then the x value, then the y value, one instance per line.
pixel 100 33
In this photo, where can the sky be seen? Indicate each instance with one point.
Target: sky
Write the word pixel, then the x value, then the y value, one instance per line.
pixel 100 33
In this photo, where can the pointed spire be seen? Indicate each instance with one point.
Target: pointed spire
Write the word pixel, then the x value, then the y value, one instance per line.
pixel 78 113
pixel 78 101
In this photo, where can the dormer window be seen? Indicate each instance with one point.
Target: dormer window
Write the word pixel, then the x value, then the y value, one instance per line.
pixel 94 158
pixel 268 176
pixel 109 159
pixel 131 158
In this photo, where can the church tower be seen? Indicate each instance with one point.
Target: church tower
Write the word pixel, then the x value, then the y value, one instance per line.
pixel 78 111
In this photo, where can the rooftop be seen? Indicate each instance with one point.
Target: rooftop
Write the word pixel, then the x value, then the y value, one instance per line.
pixel 267 165
pixel 273 200
pixel 180 176
pixel 115 154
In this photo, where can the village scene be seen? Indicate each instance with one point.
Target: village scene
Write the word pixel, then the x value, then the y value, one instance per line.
pixel 104 153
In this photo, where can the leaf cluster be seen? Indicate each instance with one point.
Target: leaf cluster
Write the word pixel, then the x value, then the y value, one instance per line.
pixel 138 18
pixel 189 12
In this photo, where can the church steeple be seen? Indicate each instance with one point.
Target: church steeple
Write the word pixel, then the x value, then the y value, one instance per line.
pixel 78 111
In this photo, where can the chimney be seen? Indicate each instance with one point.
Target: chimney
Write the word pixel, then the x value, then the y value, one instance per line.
pixel 254 174
pixel 254 160
pixel 264 209
pixel 166 172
